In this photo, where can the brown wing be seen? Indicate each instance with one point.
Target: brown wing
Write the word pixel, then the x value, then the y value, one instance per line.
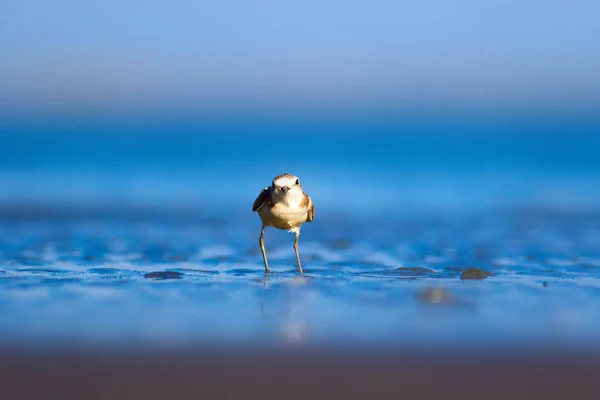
pixel 263 197
pixel 311 210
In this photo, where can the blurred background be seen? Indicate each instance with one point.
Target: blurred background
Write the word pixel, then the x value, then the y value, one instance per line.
pixel 410 103
pixel 433 137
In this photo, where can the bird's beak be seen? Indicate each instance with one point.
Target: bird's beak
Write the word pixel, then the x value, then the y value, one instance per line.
pixel 284 189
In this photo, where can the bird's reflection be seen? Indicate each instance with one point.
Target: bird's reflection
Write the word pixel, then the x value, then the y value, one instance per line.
pixel 283 314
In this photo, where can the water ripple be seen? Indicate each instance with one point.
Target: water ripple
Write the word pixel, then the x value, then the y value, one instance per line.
pixel 402 280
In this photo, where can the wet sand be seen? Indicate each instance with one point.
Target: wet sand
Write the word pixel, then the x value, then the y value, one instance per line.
pixel 298 374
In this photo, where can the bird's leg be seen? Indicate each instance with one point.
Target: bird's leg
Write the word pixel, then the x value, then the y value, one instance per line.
pixel 261 241
pixel 296 250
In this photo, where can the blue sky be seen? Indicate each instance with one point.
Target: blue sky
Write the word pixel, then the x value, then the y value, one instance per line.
pixel 130 53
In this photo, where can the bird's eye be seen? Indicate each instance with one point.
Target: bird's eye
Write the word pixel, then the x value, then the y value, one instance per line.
pixel 297 181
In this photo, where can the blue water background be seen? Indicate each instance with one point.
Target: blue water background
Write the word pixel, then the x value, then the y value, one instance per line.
pixel 127 234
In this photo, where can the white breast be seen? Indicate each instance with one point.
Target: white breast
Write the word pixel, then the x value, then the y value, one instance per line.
pixel 282 216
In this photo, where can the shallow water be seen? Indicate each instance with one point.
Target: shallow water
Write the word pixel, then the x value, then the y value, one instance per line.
pixel 170 281
pixel 121 242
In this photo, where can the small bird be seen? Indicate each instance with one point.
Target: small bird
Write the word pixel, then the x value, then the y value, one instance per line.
pixel 283 205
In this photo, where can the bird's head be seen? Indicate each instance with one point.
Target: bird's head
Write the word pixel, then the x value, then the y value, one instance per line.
pixel 286 185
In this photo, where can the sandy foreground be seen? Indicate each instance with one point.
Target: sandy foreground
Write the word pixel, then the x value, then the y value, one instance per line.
pixel 297 374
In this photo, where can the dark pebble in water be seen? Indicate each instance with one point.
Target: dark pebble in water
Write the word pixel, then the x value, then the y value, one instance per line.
pixel 163 275
pixel 414 271
pixel 475 273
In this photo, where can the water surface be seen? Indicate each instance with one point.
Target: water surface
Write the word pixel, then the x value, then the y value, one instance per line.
pixel 133 240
